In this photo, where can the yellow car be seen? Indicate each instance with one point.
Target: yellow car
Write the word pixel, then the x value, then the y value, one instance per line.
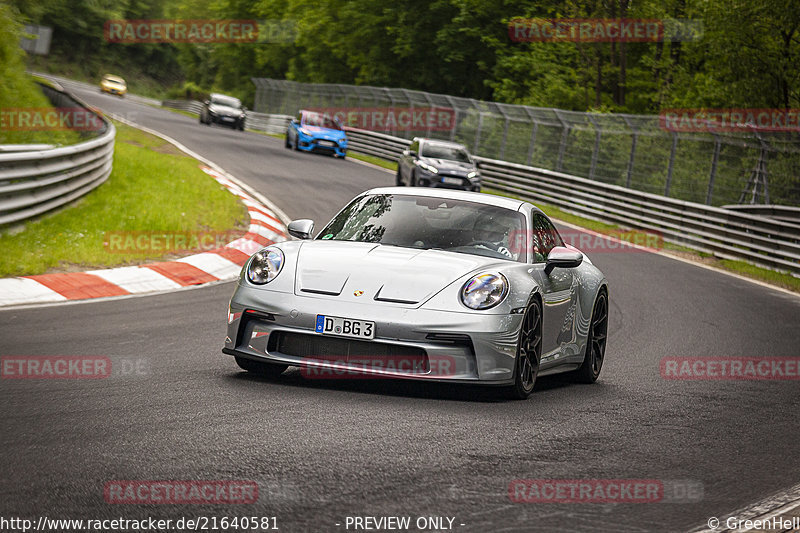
pixel 113 85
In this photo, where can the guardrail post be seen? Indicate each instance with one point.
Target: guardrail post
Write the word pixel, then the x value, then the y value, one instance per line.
pixel 714 160
pixel 671 164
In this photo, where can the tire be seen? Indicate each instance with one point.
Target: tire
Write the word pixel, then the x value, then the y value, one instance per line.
pixel 267 370
pixel 595 352
pixel 413 181
pixel 286 143
pixel 529 353
pixel 241 126
pixel 398 180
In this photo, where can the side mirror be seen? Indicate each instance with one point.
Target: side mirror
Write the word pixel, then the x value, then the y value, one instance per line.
pixel 244 108
pixel 301 229
pixel 295 121
pixel 562 257
pixel 207 102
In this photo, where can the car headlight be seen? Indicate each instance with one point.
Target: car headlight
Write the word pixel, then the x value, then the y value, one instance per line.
pixel 473 174
pixel 303 131
pixel 484 291
pixel 342 141
pixel 425 166
pixel 265 265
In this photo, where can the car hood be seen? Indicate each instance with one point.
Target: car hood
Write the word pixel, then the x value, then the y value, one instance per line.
pixel 325 133
pixel 226 110
pixel 356 271
pixel 447 164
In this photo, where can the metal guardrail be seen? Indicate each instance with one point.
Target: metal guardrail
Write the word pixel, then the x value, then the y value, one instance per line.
pixel 634 151
pixel 725 233
pixel 269 123
pixel 40 179
pixel 192 106
pixel 786 213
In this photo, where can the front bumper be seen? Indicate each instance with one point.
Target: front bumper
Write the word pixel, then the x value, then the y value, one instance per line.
pixel 114 90
pixel 325 146
pixel 455 346
pixel 448 181
pixel 225 120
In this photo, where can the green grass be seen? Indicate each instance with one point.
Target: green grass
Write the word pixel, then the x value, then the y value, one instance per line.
pixel 780 279
pixel 152 188
pixel 391 165
pixel 182 112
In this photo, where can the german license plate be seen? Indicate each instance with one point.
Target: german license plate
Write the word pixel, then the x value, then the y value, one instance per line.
pixel 452 181
pixel 345 327
pixel 326 143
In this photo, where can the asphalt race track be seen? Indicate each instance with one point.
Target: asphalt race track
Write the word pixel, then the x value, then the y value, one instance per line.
pixel 324 450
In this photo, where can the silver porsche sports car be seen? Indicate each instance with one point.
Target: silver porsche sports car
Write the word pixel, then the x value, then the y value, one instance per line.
pixel 427 284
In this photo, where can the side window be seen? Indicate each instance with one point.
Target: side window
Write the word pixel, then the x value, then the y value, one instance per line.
pixel 546 236
pixel 299 118
pixel 414 147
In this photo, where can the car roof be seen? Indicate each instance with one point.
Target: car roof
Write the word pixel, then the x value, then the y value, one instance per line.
pixel 439 141
pixel 212 95
pixel 467 196
pixel 112 77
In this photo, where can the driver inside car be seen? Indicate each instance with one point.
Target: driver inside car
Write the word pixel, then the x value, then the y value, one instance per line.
pixel 493 235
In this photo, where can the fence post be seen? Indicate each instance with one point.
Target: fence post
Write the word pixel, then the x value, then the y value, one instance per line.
pixel 455 117
pixel 563 145
pixel 714 159
pixel 505 137
pixel 596 148
pixel 478 133
pixel 671 164
pixel 532 143
pixel 631 160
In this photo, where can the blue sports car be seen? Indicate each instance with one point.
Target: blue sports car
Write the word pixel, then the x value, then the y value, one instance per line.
pixel 315 132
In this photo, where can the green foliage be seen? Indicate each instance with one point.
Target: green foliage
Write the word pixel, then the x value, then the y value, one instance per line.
pixel 747 56
pixel 18 91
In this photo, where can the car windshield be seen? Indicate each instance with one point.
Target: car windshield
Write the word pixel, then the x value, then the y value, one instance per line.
pixel 431 223
pixel 114 79
pixel 323 121
pixel 445 151
pixel 228 101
